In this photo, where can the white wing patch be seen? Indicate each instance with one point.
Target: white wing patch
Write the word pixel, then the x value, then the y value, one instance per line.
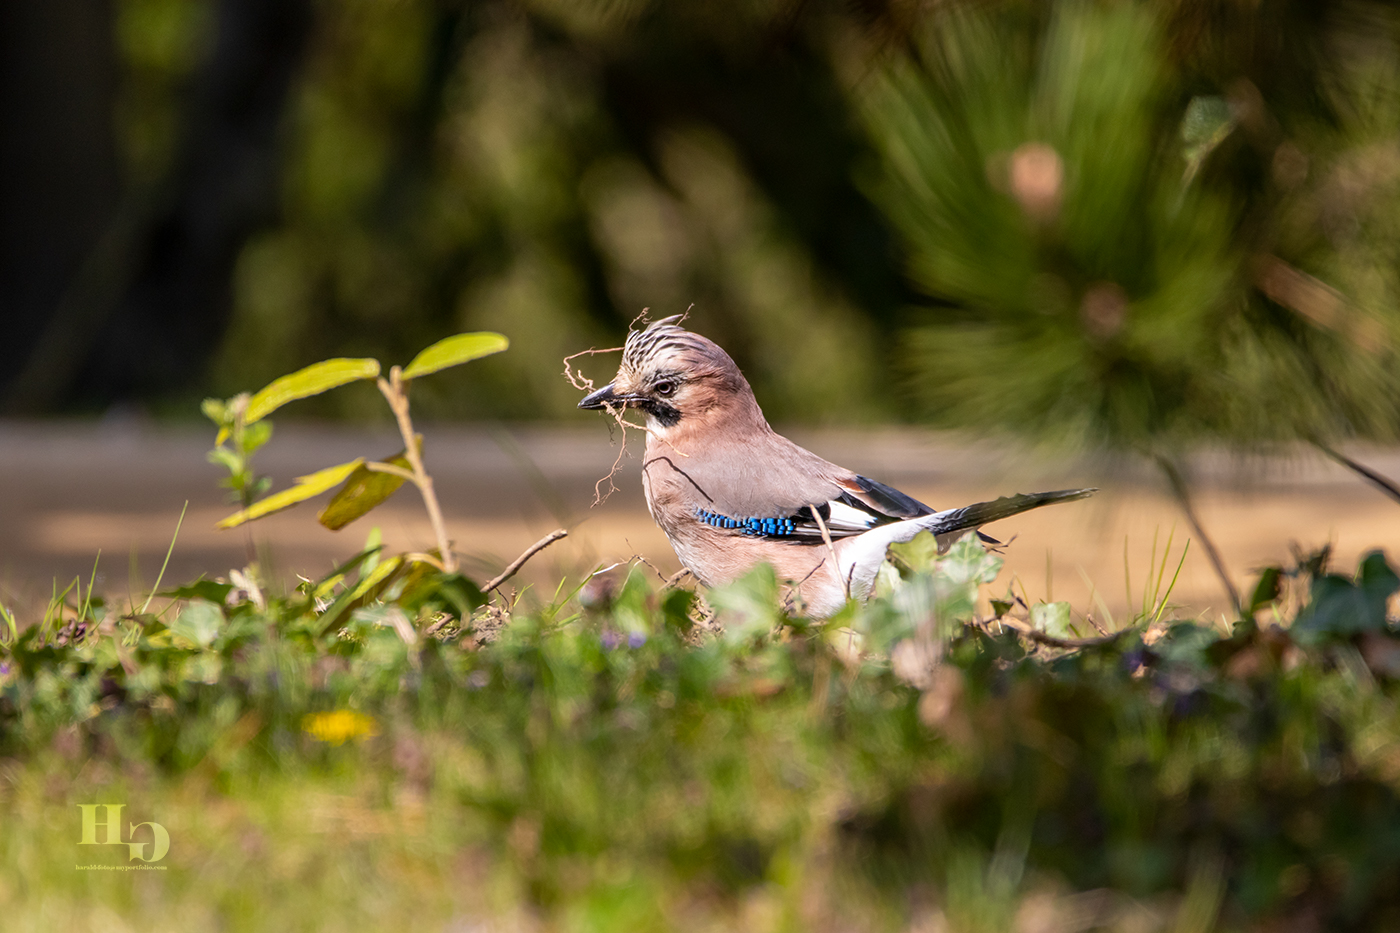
pixel 845 518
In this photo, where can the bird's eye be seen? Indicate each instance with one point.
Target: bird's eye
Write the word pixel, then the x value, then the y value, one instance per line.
pixel 665 388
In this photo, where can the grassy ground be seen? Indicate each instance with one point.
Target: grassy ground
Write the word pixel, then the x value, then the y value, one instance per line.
pixel 392 752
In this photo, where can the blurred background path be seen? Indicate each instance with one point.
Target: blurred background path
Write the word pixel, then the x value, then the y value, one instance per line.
pixel 72 490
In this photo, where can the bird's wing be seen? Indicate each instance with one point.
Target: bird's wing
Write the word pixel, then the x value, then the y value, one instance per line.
pixel 768 486
pixel 848 505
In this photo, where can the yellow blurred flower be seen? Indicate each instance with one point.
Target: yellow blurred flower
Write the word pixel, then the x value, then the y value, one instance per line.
pixel 338 726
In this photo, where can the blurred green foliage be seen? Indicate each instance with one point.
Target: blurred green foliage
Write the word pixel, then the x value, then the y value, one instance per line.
pixel 1134 207
pixel 461 167
pixel 1124 223
pixel 606 761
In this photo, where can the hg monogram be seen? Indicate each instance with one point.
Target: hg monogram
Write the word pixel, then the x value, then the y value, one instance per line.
pixel 113 825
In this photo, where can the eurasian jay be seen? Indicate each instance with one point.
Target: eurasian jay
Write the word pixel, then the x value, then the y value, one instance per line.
pixel 731 493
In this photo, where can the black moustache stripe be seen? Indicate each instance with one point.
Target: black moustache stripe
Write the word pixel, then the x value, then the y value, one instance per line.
pixel 667 415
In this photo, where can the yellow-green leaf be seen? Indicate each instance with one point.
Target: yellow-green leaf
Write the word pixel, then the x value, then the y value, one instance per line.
pixel 304 383
pixel 452 351
pixel 363 490
pixel 375 577
pixel 306 487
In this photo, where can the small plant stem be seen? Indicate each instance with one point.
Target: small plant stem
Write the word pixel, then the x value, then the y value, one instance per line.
pixel 1380 482
pixel 519 562
pixel 1183 499
pixel 396 394
pixel 376 466
pixel 245 492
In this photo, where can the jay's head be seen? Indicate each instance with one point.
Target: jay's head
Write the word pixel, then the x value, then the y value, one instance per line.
pixel 676 379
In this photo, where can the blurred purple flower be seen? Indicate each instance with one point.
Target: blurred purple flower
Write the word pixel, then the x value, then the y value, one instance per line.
pixel 610 640
pixel 636 639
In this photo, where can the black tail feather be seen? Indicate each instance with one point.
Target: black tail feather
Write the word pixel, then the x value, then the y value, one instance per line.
pixel 980 513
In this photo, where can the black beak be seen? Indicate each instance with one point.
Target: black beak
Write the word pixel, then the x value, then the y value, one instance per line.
pixel 599 400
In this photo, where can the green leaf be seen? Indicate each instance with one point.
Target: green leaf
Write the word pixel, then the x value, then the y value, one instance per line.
pixel 453 351
pixel 222 456
pixel 363 490
pixel 748 607
pixel 256 435
pixel 304 383
pixel 210 590
pixel 306 487
pixel 920 553
pixel 1205 126
pixel 199 622
pixel 1267 590
pixel 1052 619
pixel 215 410
pixel 325 586
pixel 967 561
pixel 439 591
pixel 370 585
pixel 633 609
pixel 375 577
pixel 1339 608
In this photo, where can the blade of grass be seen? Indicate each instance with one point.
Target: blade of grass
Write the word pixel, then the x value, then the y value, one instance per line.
pixel 1094 595
pixel 57 600
pixel 1166 555
pixel 9 618
pixel 1128 577
pixel 92 580
pixel 171 550
pixel 1151 565
pixel 1171 586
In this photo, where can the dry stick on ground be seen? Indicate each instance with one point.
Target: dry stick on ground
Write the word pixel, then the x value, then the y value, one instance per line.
pixel 1381 482
pixel 1034 634
pixel 396 394
pixel 1183 498
pixel 519 562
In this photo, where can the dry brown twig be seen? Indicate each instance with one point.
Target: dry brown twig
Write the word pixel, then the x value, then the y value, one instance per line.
pixel 636 556
pixel 519 562
pixel 1034 634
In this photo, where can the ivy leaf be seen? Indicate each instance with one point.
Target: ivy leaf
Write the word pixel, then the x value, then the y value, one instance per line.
pixel 1340 608
pixel 304 383
pixel 967 561
pixel 306 487
pixel 453 351
pixel 199 622
pixel 1053 619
